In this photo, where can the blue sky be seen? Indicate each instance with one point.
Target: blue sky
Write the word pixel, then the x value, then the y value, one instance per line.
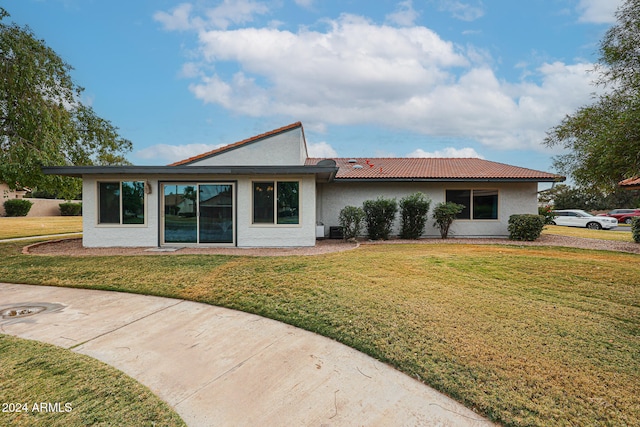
pixel 446 78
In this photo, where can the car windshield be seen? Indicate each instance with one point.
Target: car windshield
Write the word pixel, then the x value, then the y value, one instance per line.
pixel 583 213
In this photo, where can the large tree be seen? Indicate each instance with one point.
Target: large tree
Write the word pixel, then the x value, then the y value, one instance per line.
pixel 603 139
pixel 42 120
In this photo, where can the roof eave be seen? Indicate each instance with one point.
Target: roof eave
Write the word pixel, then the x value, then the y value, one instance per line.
pixel 322 172
pixel 449 179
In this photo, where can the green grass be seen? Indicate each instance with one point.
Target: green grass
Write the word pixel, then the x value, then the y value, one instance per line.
pixel 620 236
pixel 528 336
pixel 76 390
pixel 13 227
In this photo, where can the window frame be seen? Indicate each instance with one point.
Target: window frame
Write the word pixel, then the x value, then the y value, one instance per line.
pixel 275 221
pixel 121 216
pixel 471 208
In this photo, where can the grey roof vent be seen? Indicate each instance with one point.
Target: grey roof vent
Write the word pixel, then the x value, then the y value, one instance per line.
pixel 357 166
pixel 353 161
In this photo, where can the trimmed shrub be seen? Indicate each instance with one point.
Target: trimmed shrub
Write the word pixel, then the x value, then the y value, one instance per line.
pixel 351 218
pixel 444 214
pixel 635 229
pixel 379 216
pixel 413 214
pixel 17 207
pixel 70 209
pixel 525 227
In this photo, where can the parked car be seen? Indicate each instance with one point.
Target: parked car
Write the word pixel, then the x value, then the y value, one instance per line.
pixel 623 215
pixel 580 218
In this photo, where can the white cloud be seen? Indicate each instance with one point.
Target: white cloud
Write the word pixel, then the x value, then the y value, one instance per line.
pixel 358 72
pixel 448 152
pixel 598 11
pixel 405 16
pixel 178 19
pixel 173 153
pixel 321 149
pixel 463 10
pixel 224 15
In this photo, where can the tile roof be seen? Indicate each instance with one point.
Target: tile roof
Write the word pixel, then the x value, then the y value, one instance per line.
pixel 630 183
pixel 401 169
pixel 237 144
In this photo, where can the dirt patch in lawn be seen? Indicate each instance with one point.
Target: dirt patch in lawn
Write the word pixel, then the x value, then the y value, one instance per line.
pixel 73 247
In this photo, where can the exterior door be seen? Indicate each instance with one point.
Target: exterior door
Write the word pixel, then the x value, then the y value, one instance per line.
pixel 198 213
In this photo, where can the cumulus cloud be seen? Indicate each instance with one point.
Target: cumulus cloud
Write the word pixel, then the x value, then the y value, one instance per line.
pixel 598 11
pixel 321 149
pixel 227 13
pixel 448 152
pixel 173 153
pixel 354 71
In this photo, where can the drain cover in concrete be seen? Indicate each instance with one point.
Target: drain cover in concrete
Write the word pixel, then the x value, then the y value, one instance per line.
pixel 20 310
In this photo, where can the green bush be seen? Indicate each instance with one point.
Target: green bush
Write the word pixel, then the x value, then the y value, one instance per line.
pixel 17 207
pixel 351 218
pixel 635 229
pixel 70 209
pixel 379 216
pixel 547 213
pixel 444 214
pixel 413 214
pixel 525 227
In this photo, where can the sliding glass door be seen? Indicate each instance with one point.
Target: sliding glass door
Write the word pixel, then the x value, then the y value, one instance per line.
pixel 198 213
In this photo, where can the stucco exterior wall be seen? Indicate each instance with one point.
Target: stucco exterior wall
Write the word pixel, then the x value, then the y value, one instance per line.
pixel 513 198
pixel 247 234
pixel 285 149
pixel 253 235
pixel 113 235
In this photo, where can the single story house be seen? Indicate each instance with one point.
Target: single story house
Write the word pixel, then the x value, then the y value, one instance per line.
pixel 266 192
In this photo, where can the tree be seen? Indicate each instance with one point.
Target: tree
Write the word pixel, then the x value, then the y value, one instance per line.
pixel 42 121
pixel 444 214
pixel 603 139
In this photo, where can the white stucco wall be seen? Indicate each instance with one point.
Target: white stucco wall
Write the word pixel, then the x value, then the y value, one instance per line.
pixel 247 234
pixel 260 235
pixel 513 198
pixel 286 149
pixel 113 235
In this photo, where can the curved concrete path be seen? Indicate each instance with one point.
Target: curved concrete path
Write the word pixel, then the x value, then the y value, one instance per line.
pixel 219 367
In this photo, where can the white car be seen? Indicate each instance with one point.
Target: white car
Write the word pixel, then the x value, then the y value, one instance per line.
pixel 580 218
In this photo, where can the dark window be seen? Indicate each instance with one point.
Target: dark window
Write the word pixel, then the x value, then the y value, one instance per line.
pixel 263 202
pixel 133 202
pixel 482 203
pixel 288 201
pixel 109 200
pixel 485 204
pixel 276 201
pixel 461 197
pixel 121 202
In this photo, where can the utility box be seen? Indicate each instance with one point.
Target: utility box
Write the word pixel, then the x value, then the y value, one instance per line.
pixel 335 233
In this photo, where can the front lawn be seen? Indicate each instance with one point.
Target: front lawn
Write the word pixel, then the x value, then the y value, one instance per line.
pixel 12 227
pixel 615 234
pixel 525 335
pixel 44 385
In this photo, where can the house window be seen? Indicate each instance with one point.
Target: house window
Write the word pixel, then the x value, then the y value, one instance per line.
pixel 121 202
pixel 478 204
pixel 276 202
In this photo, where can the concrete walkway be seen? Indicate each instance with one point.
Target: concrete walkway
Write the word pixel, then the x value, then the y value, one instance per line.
pixel 219 367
